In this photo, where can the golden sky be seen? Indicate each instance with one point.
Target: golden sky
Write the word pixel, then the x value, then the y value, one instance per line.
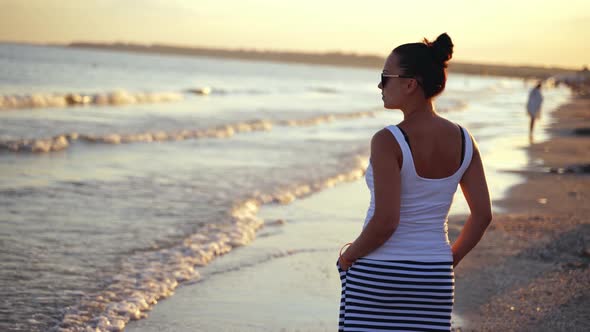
pixel 530 32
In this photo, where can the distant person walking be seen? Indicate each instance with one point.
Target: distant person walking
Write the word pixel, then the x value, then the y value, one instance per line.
pixel 533 106
pixel 398 274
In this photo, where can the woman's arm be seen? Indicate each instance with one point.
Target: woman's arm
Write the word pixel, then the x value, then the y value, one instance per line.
pixel 385 161
pixel 475 190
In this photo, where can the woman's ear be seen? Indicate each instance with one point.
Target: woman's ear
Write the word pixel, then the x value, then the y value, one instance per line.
pixel 412 85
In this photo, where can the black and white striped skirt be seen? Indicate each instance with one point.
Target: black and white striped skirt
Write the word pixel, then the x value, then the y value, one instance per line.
pixel 396 296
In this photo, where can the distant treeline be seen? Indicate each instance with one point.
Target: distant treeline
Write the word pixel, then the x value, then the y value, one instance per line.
pixel 332 58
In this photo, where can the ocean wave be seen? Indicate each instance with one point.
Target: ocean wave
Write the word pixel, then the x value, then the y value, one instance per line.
pixel 205 91
pixel 326 118
pixel 324 90
pixel 62 142
pixel 113 98
pixel 120 97
pixel 148 277
pixel 450 105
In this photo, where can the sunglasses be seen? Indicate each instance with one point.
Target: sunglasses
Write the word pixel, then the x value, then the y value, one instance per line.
pixel 386 77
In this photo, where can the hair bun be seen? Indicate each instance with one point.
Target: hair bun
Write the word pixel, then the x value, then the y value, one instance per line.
pixel 442 49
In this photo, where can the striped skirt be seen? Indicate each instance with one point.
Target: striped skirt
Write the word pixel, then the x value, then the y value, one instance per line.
pixel 396 296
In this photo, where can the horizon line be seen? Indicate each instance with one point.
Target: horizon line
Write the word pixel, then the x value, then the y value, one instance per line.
pixel 344 53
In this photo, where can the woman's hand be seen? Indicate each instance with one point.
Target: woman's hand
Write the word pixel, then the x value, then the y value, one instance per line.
pixel 344 263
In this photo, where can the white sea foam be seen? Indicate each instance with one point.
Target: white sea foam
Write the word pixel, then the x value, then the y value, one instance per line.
pixel 119 97
pixel 113 98
pixel 326 118
pixel 62 142
pixel 324 90
pixel 201 91
pixel 56 143
pixel 149 277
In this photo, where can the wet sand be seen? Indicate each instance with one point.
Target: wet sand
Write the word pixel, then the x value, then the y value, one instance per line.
pixel 286 280
pixel 530 273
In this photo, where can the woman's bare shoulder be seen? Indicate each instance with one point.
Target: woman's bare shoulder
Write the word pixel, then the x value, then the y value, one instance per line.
pixel 384 138
pixel 385 145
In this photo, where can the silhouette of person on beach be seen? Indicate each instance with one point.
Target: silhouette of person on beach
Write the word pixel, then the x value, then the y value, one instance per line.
pixel 533 107
pixel 398 273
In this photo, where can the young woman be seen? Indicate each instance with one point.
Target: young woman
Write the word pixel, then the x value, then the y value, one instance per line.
pixel 398 274
pixel 533 106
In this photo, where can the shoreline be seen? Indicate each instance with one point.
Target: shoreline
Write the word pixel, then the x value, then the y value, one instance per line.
pixel 522 275
pixel 270 284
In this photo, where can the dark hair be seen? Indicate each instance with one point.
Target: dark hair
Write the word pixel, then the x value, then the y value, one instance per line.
pixel 427 61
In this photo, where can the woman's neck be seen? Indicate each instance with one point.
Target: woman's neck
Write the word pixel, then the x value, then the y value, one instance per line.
pixel 419 111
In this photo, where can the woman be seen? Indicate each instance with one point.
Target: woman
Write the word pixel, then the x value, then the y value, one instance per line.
pixel 398 274
pixel 533 106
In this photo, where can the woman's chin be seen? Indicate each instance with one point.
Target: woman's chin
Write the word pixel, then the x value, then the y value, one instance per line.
pixel 386 103
pixel 391 107
pixel 388 106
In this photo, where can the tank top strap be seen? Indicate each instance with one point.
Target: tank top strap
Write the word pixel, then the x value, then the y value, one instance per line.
pixel 468 152
pixel 401 141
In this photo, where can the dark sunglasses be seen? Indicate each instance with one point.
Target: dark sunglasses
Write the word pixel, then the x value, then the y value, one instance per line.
pixel 386 77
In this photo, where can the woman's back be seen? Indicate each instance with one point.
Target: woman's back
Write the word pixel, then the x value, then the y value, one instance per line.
pixel 436 147
pixel 426 193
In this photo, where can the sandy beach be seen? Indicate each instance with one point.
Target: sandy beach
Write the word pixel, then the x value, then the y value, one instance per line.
pixel 530 272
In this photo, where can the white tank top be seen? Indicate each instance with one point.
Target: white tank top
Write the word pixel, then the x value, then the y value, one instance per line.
pixel 422 233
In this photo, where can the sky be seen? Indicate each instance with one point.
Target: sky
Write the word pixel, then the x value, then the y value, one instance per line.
pixel 518 32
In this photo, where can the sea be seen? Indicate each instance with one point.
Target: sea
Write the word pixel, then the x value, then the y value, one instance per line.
pixel 122 174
